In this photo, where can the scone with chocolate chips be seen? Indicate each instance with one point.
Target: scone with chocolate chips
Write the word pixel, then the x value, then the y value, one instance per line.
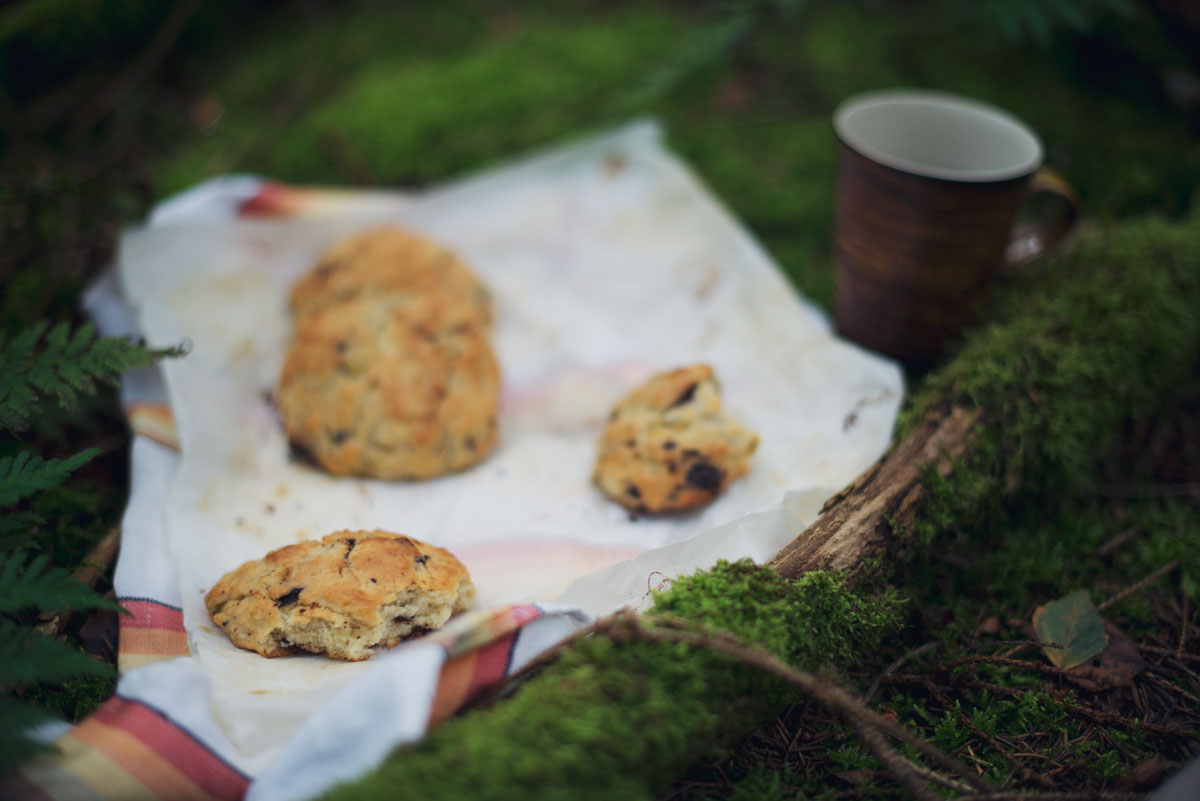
pixel 341 596
pixel 393 263
pixel 669 445
pixel 391 373
pixel 391 391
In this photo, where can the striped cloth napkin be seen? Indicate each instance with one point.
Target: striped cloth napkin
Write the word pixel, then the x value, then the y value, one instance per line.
pixel 157 737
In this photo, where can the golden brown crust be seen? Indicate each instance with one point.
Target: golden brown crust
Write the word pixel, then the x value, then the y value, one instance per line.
pixel 669 446
pixel 388 261
pixel 369 390
pixel 390 374
pixel 341 596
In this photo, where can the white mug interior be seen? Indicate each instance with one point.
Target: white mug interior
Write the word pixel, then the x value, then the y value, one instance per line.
pixel 938 135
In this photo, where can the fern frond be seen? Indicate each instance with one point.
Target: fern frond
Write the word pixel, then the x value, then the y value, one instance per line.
pixel 32 658
pixel 17 718
pixel 17 530
pixel 37 585
pixel 27 473
pixel 56 364
pixel 18 523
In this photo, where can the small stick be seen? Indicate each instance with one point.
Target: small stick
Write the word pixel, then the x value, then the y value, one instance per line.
pixel 1110 547
pixel 1037 796
pixel 1183 627
pixel 1141 585
pixel 95 565
pixel 1152 649
pixel 1005 662
pixel 1151 491
pixel 896 665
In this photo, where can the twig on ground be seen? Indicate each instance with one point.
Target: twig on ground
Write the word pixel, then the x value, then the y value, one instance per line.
pixel 896 665
pixel 869 725
pixel 1036 796
pixel 1141 585
pixel 94 566
pixel 1153 649
pixel 1110 546
pixel 1183 625
pixel 1148 491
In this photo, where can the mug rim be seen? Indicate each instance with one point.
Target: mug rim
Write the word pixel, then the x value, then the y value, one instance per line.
pixel 944 100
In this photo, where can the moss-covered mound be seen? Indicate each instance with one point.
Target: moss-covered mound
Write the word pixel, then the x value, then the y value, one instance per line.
pixel 620 720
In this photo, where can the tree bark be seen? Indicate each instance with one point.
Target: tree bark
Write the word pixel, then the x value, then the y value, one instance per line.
pixel 858 522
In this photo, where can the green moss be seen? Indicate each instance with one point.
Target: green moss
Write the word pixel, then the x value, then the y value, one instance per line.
pixel 619 719
pixel 400 119
pixel 1103 334
pixel 75 698
pixel 381 95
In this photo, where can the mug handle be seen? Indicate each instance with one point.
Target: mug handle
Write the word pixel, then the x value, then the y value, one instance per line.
pixel 1031 240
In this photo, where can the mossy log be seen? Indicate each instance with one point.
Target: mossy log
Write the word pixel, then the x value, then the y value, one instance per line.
pixel 1104 334
pixel 856 525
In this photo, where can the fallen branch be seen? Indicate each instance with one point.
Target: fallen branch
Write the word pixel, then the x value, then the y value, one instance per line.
pixel 94 566
pixel 858 522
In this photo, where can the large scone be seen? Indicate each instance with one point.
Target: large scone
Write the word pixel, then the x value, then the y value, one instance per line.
pixel 406 390
pixel 389 262
pixel 669 445
pixel 341 596
pixel 391 374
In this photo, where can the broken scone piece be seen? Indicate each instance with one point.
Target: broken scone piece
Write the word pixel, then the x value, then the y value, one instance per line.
pixel 341 596
pixel 669 445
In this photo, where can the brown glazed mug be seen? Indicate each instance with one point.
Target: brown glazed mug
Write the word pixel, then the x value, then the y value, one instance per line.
pixel 928 188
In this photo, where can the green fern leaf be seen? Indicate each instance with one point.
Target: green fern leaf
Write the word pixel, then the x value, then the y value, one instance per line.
pixel 57 364
pixel 17 718
pixel 27 473
pixel 19 523
pixel 31 658
pixel 18 529
pixel 47 589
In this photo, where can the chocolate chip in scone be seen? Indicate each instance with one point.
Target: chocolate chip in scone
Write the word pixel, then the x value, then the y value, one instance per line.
pixel 469 443
pixel 632 491
pixel 685 396
pixel 338 437
pixel 704 476
pixel 420 561
pixel 669 445
pixel 298 452
pixel 290 597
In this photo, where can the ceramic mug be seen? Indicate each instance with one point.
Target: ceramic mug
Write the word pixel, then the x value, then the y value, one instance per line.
pixel 929 185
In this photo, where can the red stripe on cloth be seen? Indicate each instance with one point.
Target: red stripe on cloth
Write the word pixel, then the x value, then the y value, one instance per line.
pixel 191 757
pixel 524 614
pixel 490 665
pixel 150 615
pixel 272 200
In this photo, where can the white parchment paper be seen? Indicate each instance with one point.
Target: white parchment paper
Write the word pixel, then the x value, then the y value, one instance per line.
pixel 609 262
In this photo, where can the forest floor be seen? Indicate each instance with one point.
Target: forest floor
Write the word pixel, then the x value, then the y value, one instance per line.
pixel 364 94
